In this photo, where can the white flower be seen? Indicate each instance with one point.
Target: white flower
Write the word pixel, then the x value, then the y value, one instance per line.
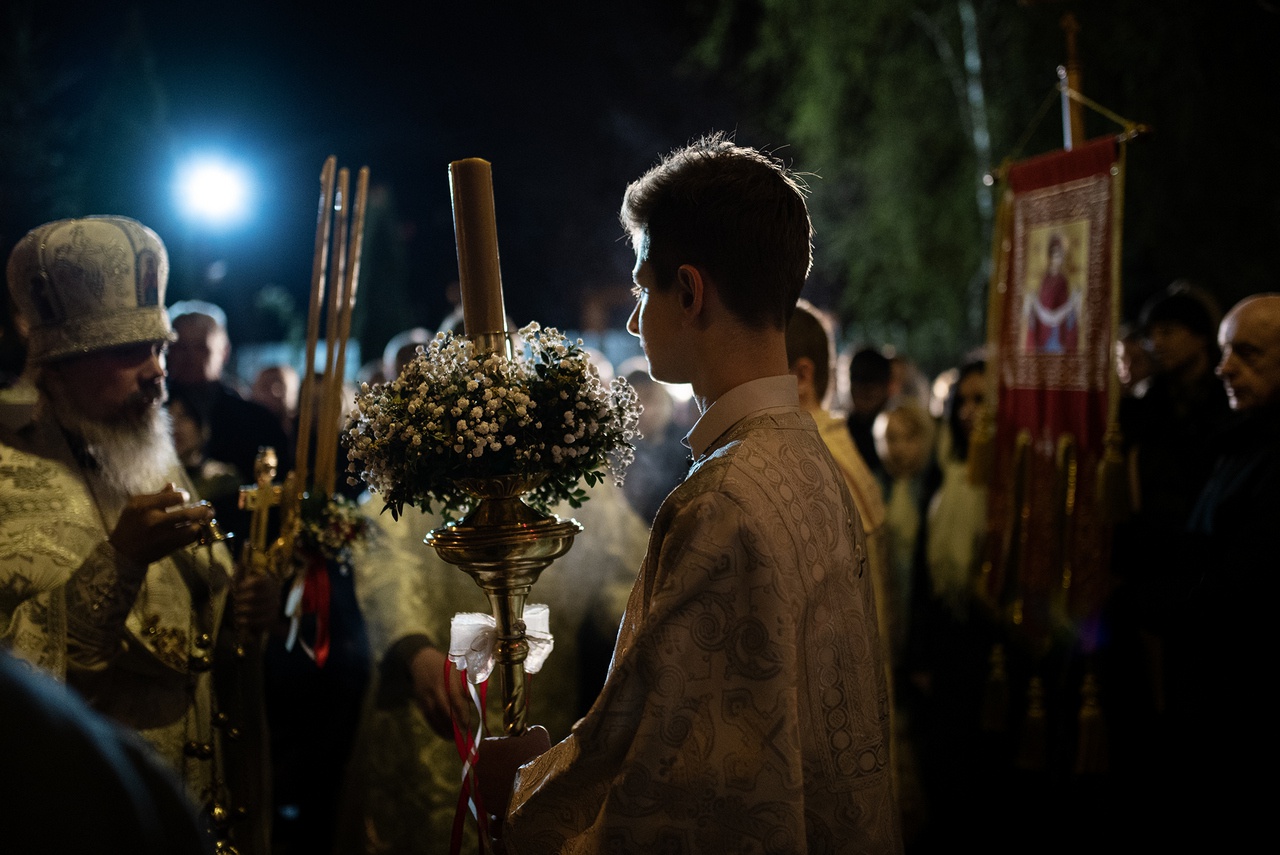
pixel 400 443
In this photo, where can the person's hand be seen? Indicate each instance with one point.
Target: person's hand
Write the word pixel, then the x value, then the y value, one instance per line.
pixel 255 600
pixel 500 757
pixel 152 525
pixel 440 703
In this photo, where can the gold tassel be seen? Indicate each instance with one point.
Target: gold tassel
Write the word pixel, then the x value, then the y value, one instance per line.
pixel 982 446
pixel 995 695
pixel 1091 745
pixel 1113 480
pixel 1032 748
pixel 1064 530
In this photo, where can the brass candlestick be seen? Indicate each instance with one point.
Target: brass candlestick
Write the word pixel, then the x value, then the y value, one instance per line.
pixel 504 545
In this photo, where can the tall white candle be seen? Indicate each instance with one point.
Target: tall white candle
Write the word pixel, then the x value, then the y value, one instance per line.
pixel 474 225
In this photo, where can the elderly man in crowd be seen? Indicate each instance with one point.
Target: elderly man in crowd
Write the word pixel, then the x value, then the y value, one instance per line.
pixel 103 581
pixel 1223 653
pixel 198 361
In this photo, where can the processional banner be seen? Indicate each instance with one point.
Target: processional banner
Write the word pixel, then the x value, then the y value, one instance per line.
pixel 1053 312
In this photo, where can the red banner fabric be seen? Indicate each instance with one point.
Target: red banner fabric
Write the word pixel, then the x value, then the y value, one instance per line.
pixel 1048 544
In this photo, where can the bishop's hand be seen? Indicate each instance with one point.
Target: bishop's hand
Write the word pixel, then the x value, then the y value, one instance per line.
pixel 152 525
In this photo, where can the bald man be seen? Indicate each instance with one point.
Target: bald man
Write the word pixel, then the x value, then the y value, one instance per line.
pixel 1229 646
pixel 1246 479
pixel 1250 342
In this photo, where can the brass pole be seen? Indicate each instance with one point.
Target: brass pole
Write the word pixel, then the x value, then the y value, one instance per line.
pixel 1069 80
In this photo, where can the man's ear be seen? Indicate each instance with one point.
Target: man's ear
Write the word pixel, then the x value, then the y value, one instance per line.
pixel 691 286
pixel 802 367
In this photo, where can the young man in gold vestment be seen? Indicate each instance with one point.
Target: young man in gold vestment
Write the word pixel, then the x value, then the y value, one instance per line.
pixel 746 708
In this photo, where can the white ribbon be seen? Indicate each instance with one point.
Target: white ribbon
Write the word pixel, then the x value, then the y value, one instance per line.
pixel 473 636
pixel 293 610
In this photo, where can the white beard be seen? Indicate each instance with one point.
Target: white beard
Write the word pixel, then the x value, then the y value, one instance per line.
pixel 134 460
pixel 134 455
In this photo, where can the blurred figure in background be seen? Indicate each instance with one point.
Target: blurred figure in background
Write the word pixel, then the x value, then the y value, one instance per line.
pixel 957 514
pixel 1134 364
pixel 904 435
pixel 1226 629
pixel 907 382
pixel 950 639
pixel 277 387
pixel 870 376
pixel 216 482
pixel 1169 437
pixel 197 365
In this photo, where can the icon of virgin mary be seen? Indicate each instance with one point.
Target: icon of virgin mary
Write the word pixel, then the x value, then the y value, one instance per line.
pixel 1053 322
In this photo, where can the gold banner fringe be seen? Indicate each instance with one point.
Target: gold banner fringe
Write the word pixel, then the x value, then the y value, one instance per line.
pixel 1033 746
pixel 1092 739
pixel 994 717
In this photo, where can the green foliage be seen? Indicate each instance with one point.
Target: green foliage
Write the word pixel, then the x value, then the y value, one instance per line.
pixel 874 98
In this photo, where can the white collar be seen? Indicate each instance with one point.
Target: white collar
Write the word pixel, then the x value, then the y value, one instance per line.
pixel 738 403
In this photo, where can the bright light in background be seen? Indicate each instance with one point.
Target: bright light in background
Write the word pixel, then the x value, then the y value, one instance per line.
pixel 213 191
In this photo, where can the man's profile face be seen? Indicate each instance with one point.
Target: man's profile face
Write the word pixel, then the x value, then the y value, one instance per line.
pixel 655 320
pixel 1250 366
pixel 200 353
pixel 117 386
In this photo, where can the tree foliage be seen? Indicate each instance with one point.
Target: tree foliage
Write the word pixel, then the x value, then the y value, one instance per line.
pixel 900 111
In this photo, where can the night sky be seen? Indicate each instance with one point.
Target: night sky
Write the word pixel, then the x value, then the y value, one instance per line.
pixel 569 101
pixel 568 105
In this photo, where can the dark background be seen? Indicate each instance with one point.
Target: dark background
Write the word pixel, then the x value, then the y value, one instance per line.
pixel 100 102
pixel 565 115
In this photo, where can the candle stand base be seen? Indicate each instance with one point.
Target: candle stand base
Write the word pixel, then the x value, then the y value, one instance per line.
pixel 504 545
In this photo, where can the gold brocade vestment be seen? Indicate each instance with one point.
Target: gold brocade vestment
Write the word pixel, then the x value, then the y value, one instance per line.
pixel 137 658
pixel 746 708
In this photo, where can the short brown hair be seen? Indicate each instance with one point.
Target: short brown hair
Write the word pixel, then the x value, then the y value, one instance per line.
pixel 734 211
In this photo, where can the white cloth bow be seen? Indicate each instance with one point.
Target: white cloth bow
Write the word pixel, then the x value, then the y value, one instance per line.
pixel 472 636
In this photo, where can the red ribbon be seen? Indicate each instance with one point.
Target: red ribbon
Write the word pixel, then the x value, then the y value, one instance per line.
pixel 468 749
pixel 315 600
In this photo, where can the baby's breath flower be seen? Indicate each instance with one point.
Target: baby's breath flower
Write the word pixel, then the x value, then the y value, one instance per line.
pixel 454 413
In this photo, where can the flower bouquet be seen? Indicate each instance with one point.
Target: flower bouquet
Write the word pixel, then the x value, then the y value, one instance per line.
pixel 457 416
pixel 331 527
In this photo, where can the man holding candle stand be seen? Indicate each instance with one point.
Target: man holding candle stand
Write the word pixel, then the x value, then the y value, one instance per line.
pixel 109 576
pixel 746 706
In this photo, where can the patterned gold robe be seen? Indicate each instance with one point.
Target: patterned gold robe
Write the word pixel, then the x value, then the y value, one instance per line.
pixel 746 709
pixel 132 651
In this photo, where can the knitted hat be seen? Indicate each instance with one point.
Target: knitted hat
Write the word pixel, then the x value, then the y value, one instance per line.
pixel 89 284
pixel 1185 305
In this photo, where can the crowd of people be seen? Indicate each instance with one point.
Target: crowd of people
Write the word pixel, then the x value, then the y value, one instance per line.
pixel 771 637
